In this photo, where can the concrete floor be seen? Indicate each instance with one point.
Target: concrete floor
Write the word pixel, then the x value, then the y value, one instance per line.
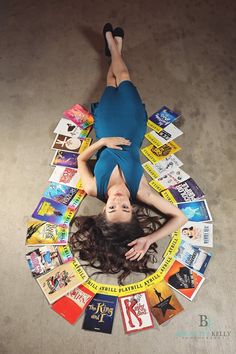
pixel 180 54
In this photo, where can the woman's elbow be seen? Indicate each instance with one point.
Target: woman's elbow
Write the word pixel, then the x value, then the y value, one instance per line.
pixel 89 191
pixel 182 218
pixel 79 161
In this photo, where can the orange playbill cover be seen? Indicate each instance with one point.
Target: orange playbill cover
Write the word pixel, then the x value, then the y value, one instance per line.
pixel 162 301
pixel 184 280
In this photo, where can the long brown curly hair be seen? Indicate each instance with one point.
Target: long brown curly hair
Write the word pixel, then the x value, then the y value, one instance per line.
pixel 103 244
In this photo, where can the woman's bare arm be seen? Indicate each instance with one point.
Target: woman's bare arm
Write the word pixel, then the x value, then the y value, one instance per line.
pixel 177 219
pixel 87 178
pixel 90 151
pixel 151 198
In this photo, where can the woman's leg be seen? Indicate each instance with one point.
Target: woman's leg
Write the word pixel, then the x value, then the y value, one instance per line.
pixel 118 70
pixel 111 79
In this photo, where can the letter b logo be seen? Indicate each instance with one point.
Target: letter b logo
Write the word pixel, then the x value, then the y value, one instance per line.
pixel 203 321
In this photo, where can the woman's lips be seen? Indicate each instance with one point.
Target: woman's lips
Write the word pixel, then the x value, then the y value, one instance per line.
pixel 118 193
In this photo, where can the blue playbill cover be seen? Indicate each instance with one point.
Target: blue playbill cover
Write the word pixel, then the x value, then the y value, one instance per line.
pixel 60 193
pixel 164 117
pixel 99 315
pixel 196 210
pixel 193 257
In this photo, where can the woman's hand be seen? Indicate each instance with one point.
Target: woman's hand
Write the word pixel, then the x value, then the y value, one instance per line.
pixel 140 247
pixel 113 142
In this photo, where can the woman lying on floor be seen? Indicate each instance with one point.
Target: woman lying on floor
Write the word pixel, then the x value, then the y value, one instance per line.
pixel 123 236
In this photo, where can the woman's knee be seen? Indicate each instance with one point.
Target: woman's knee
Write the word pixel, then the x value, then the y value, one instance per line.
pixel 111 81
pixel 124 75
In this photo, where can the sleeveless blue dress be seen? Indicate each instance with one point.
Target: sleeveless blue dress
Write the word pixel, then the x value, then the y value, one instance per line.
pixel 120 112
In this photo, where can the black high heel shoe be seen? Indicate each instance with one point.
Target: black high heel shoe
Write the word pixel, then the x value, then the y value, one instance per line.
pixel 107 28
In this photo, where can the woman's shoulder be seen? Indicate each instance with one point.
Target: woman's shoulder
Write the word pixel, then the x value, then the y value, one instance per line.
pixel 144 190
pixel 92 189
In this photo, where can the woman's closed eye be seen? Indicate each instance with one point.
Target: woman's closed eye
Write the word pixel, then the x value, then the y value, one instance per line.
pixel 112 208
pixel 125 206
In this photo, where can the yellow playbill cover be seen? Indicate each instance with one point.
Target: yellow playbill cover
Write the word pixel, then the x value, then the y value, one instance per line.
pixel 150 169
pixel 61 280
pixel 168 196
pixel 155 154
pixel 173 246
pixel 79 185
pixel 153 126
pixel 156 185
pixel 41 233
pixel 85 144
pixel 165 136
pixel 109 289
pixel 92 285
pixel 149 136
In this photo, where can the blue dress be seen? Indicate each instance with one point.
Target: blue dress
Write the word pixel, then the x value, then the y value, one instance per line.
pixel 120 112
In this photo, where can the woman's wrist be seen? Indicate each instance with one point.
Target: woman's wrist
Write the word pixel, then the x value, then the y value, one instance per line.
pixel 101 142
pixel 150 240
pixel 91 150
pixel 153 238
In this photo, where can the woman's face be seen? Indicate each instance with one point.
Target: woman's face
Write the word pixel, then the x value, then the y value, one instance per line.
pixel 118 208
pixel 187 232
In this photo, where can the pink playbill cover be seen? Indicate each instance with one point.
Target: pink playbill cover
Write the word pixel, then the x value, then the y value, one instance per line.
pixel 79 115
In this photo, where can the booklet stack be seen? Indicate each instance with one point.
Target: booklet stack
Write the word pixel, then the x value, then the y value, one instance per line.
pixel 174 184
pixel 61 277
pixel 52 264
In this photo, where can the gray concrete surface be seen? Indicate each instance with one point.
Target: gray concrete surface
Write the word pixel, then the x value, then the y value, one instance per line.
pixel 180 53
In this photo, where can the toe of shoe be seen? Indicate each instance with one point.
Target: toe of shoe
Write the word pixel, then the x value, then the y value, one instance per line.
pixel 118 31
pixel 107 27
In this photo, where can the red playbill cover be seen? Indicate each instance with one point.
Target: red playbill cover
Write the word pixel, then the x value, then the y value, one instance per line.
pixel 71 306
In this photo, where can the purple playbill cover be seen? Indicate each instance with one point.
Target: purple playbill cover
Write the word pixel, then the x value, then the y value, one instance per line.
pixel 186 191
